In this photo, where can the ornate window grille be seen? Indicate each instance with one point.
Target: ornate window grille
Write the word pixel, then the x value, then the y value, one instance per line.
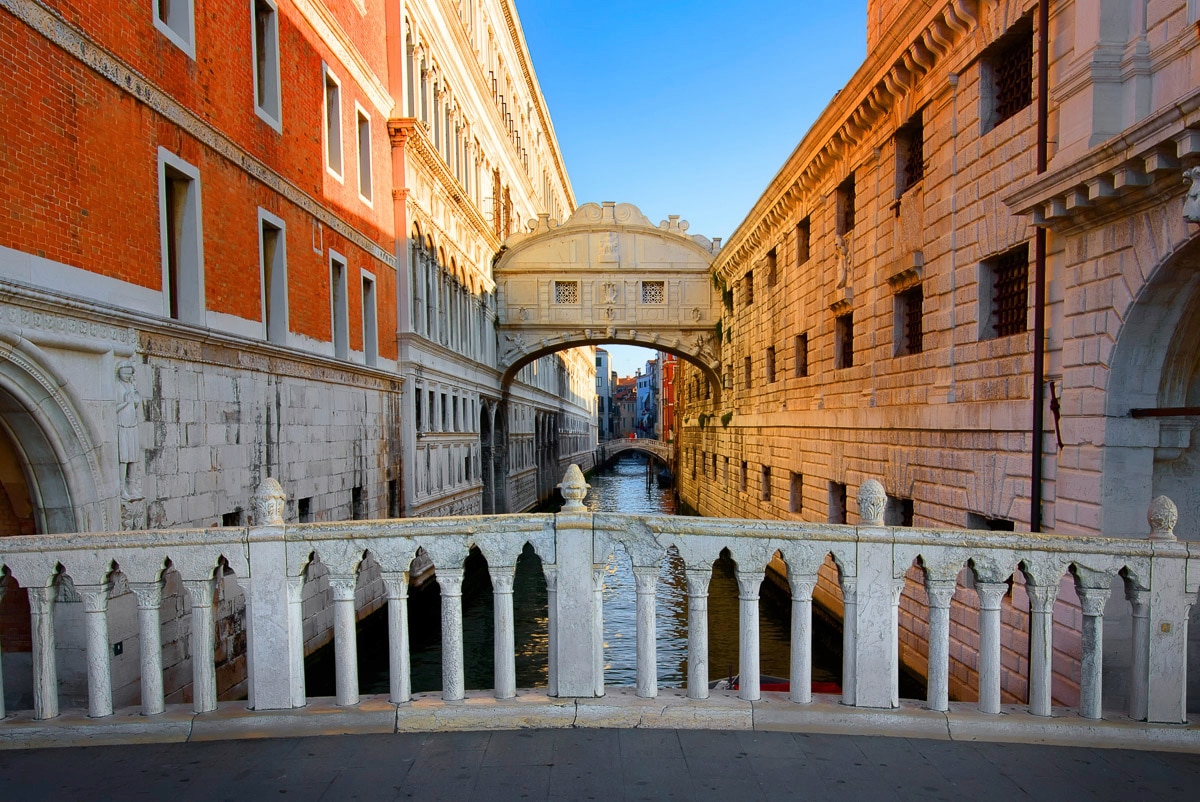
pixel 1011 66
pixel 1010 286
pixel 654 292
pixel 566 292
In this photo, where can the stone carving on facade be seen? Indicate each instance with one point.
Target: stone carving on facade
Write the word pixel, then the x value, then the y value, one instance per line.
pixel 1191 204
pixel 129 415
pixel 574 489
pixel 269 501
pixel 516 346
pixel 610 292
pixel 608 248
pixel 841 244
pixel 1162 515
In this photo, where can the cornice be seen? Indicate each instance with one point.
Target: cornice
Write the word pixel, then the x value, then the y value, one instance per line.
pixel 915 45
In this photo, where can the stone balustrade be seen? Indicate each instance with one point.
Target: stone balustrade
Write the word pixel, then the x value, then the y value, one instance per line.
pixel 270 559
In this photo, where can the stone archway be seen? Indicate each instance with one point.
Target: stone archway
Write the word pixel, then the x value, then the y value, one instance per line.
pixel 607 275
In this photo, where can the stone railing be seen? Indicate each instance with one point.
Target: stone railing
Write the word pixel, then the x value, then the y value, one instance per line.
pixel 270 560
pixel 611 448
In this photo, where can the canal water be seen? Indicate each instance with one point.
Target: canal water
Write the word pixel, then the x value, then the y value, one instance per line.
pixel 622 487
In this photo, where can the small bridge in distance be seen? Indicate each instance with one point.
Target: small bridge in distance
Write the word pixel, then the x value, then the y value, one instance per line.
pixel 657 449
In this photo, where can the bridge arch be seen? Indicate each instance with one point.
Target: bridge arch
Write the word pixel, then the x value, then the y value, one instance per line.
pixel 608 276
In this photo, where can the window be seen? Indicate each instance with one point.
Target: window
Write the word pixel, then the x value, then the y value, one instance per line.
pixel 273 267
pixel 304 509
pixel 364 154
pixel 906 315
pixel 910 154
pixel 232 518
pixel 714 466
pixel 1003 294
pixel 370 327
pixel 175 20
pixel 745 476
pixel 1006 75
pixel 333 124
pixel 796 496
pixel 837 502
pixel 803 239
pixel 845 205
pixel 748 288
pixel 801 358
pixel 843 355
pixel 748 367
pixel 898 512
pixel 766 483
pixel 181 238
pixel 654 292
pixel 266 62
pixel 772 267
pixel 339 309
pixel 977 521
pixel 417 409
pixel 358 507
pixel 566 292
pixel 770 364
pixel 393 498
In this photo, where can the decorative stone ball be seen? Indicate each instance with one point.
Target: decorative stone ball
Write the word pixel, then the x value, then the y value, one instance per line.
pixel 871 502
pixel 268 503
pixel 1162 515
pixel 574 489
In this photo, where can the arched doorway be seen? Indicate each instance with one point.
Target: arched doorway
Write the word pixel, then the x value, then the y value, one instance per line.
pixel 487 457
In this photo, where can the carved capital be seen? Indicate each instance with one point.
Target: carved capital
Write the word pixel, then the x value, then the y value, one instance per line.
pixel 872 500
pixel 1139 599
pixel 269 500
pixel 941 592
pixel 1162 515
pixel 149 594
pixel 849 589
pixel 1041 597
pixel 698 580
pixel 396 584
pixel 200 591
pixel 550 571
pixel 645 578
pixel 42 600
pixel 95 597
pixel 343 586
pixel 295 589
pixel 450 581
pixel 801 586
pixel 503 577
pixel 748 584
pixel 1092 600
pixel 599 572
pixel 990 594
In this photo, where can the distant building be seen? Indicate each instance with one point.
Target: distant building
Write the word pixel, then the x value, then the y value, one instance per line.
pixel 604 395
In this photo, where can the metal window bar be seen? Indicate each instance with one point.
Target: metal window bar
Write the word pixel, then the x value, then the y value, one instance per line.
pixel 913 302
pixel 1010 292
pixel 1012 70
pixel 912 142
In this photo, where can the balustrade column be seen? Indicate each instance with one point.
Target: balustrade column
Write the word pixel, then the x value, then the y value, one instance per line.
pixel 1041 645
pixel 345 638
pixel 2 712
pixel 801 659
pixel 697 590
pixel 95 616
pixel 149 600
pixel 990 594
pixel 941 593
pixel 551 573
pixel 1091 671
pixel 598 575
pixel 204 669
pixel 453 683
pixel 295 612
pixel 45 673
pixel 748 657
pixel 849 638
pixel 505 656
pixel 399 668
pixel 1139 599
pixel 646 578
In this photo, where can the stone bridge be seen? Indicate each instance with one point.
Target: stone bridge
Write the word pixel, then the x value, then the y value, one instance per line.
pixel 608 275
pixel 658 449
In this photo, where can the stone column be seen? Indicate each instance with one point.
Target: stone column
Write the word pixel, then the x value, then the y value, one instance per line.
pixel 598 575
pixel 801 658
pixel 749 672
pixel 550 571
pixel 580 655
pixel 1091 673
pixel 204 669
pixel 345 638
pixel 1139 600
pixel 149 600
pixel 45 672
pixel 941 592
pixel 505 656
pixel 399 668
pixel 697 590
pixel 1041 646
pixel 990 594
pixel 849 640
pixel 450 582
pixel 646 578
pixel 95 612
pixel 1166 670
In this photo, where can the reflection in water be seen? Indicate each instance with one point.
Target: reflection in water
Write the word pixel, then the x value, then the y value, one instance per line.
pixel 620 488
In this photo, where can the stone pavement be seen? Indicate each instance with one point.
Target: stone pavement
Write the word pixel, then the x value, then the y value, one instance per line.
pixel 602 764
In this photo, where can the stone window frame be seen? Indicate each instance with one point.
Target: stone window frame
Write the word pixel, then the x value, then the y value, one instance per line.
pixel 370 318
pixel 334 140
pixel 769 364
pixel 179 197
pixel 899 511
pixel 748 368
pixel 843 352
pixel 273 277
pixel 908 310
pixel 845 198
pixel 264 35
pixel 339 305
pixel 1015 43
pixel 800 364
pixel 766 482
pixel 838 507
pixel 362 127
pixel 176 20
pixel 992 303
pixel 796 492
pixel 772 267
pixel 745 476
pixel 910 153
pixel 804 240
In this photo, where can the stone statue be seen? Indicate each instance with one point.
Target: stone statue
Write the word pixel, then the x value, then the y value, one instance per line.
pixel 1191 204
pixel 842 244
pixel 129 415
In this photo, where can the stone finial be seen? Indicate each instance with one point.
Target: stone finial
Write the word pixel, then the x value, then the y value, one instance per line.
pixel 871 502
pixel 1162 515
pixel 574 489
pixel 268 503
pixel 1191 204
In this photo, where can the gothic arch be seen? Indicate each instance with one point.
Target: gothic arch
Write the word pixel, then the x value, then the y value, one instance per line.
pixel 58 454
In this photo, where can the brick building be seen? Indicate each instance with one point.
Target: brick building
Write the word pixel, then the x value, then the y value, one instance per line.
pixel 973 280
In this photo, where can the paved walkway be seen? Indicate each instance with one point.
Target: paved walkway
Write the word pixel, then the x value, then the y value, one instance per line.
pixel 596 764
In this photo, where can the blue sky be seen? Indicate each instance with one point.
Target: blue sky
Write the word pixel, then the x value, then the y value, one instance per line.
pixel 686 108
